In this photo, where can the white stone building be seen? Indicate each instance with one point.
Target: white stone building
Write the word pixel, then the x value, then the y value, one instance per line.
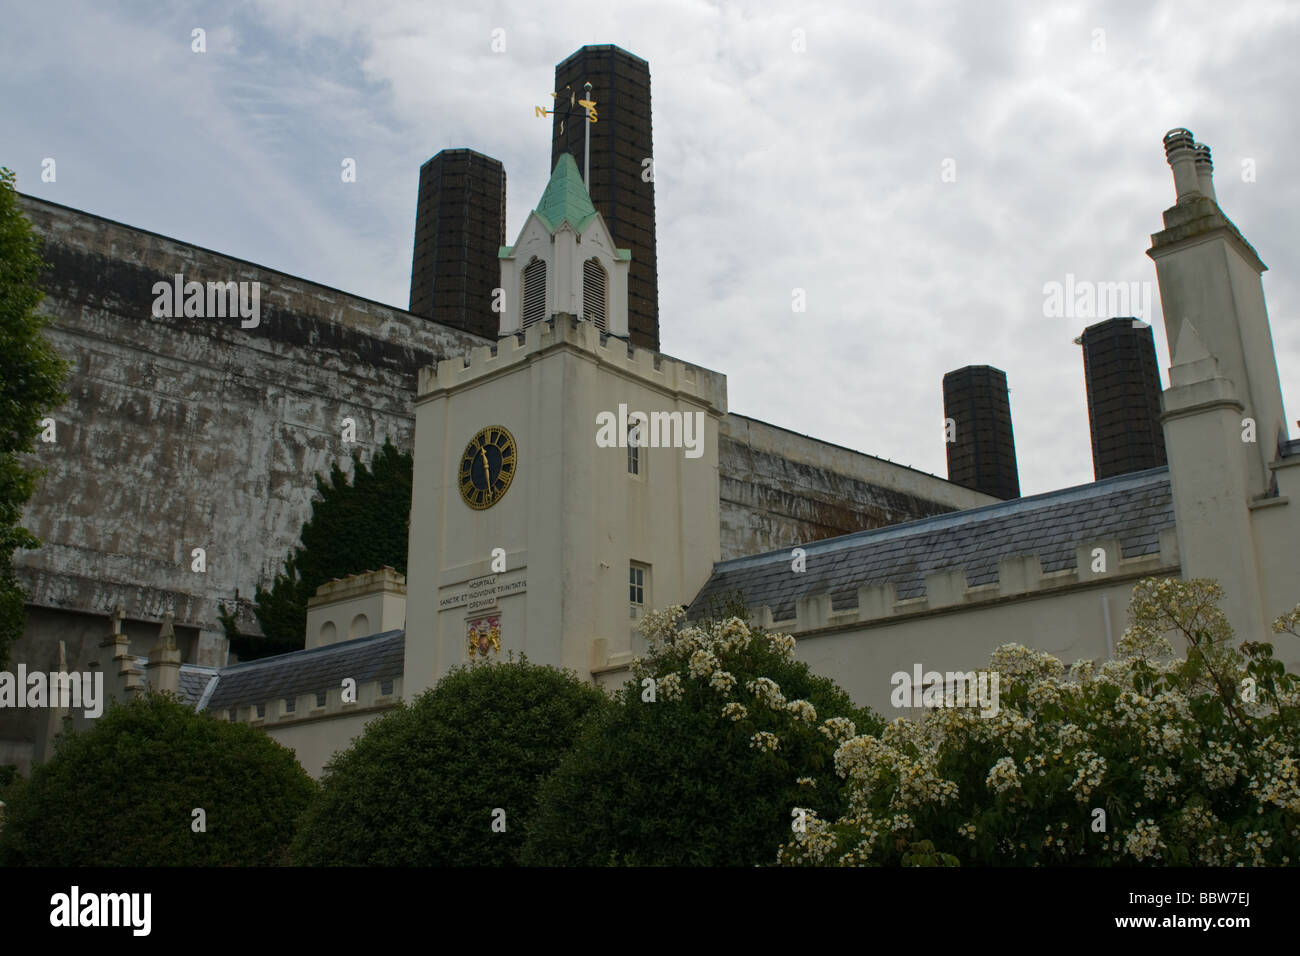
pixel 536 527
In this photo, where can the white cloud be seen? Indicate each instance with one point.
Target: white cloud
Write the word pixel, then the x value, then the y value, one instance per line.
pixel 774 169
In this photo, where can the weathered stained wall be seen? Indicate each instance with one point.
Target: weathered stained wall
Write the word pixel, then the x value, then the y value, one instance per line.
pixel 181 433
pixel 780 489
pixel 194 432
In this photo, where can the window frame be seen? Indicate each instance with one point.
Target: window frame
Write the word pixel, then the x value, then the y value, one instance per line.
pixel 638 586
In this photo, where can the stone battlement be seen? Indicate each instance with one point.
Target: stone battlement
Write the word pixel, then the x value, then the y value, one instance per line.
pixel 566 330
pixel 371 695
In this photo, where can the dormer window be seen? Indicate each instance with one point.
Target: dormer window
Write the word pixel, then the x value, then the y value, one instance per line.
pixel 595 285
pixel 534 292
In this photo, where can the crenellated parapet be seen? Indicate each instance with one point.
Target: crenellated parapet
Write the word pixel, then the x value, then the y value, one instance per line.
pixel 564 330
pixel 1020 577
pixel 370 695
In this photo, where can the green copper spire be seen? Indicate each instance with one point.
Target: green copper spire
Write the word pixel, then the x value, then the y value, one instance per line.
pixel 566 198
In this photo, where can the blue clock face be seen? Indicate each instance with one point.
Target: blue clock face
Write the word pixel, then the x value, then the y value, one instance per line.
pixel 487 467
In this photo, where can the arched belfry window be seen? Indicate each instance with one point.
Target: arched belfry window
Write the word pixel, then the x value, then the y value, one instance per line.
pixel 595 282
pixel 534 293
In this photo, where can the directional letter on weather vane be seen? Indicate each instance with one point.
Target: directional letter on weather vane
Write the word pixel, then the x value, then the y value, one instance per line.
pixel 588 105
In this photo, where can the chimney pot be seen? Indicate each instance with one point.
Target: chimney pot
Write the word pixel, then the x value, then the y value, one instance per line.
pixel 1205 171
pixel 1180 151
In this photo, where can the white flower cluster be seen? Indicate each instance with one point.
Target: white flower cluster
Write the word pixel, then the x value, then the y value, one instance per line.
pixel 659 627
pixel 723 682
pixel 810 847
pixel 1017 662
pixel 1280 780
pixel 767 691
pixel 670 686
pixel 735 711
pixel 1043 693
pixel 838 729
pixel 806 782
pixel 1256 844
pixel 1157 781
pixel 1144 840
pixel 769 743
pixel 1003 776
pixel 703 663
pixel 733 627
pixel 1092 770
pixel 690 639
pixel 1141 711
pixel 919 784
pixel 783 644
pixel 1071 735
pixel 802 710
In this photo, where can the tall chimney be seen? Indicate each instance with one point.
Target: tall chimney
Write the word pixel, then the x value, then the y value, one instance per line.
pixel 622 184
pixel 460 226
pixel 983 454
pixel 1123 382
pixel 1209 278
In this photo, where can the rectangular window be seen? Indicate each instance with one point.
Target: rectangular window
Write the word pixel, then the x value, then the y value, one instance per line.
pixel 261 711
pixel 290 704
pixel 638 586
pixel 320 698
pixel 636 440
pixel 386 688
pixel 232 715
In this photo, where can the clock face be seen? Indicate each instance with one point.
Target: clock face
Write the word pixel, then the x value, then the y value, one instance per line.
pixel 486 467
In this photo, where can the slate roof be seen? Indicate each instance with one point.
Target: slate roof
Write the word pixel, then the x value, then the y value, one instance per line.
pixel 194 681
pixel 378 657
pixel 1133 508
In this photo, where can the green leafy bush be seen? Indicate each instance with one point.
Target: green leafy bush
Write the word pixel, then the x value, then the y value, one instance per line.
pixel 420 787
pixel 123 794
pixel 1144 760
pixel 709 772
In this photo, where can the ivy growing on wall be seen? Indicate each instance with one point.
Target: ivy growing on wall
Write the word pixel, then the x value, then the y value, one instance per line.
pixel 356 525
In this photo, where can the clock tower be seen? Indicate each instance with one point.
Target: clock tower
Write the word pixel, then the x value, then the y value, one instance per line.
pixel 565 483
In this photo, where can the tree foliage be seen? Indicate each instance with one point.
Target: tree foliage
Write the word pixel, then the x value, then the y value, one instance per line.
pixel 710 769
pixel 420 787
pixel 356 525
pixel 123 793
pixel 1143 760
pixel 31 379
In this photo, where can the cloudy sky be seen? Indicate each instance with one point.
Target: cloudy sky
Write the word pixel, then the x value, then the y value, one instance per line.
pixel 776 167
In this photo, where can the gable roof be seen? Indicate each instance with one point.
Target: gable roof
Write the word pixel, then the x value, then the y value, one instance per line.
pixel 1132 508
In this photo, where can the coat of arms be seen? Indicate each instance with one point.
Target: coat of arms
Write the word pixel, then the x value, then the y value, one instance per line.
pixel 484 636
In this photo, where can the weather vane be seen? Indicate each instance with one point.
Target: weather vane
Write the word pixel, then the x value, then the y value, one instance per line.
pixel 589 107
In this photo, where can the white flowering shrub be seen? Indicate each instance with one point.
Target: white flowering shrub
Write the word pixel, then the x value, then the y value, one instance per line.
pixel 737 736
pixel 1144 760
